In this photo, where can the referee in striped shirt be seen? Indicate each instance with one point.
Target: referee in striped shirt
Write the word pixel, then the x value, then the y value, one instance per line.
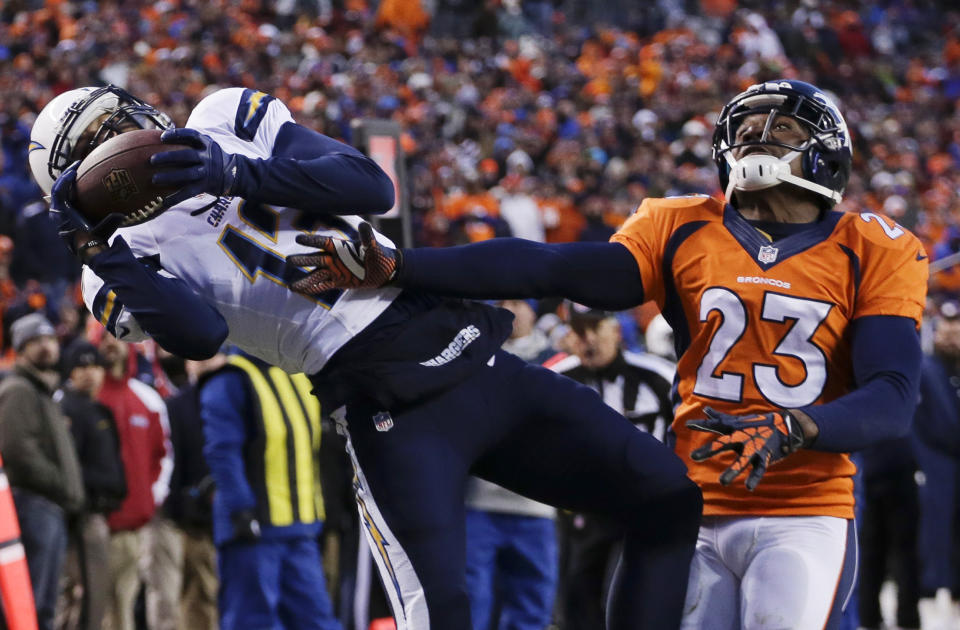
pixel 638 386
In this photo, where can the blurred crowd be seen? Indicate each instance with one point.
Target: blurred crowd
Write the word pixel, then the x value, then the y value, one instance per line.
pixel 544 119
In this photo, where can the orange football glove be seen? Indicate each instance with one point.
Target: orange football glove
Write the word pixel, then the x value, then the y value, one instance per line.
pixel 758 441
pixel 343 264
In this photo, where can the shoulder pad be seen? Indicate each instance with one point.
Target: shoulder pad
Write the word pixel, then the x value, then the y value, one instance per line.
pixel 686 201
pixel 881 230
pixel 215 108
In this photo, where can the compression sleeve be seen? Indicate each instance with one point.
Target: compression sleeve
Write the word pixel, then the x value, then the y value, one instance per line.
pixel 313 172
pixel 181 321
pixel 599 275
pixel 886 364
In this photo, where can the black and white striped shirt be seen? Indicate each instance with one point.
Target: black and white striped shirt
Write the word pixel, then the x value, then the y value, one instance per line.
pixel 636 385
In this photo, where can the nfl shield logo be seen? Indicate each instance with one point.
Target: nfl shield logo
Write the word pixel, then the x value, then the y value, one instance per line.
pixel 768 254
pixel 119 184
pixel 383 421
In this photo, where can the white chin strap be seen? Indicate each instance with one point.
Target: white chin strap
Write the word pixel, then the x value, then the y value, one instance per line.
pixel 761 170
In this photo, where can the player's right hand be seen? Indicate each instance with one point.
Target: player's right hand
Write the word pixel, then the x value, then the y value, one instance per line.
pixel 757 440
pixel 202 168
pixel 361 263
pixel 79 236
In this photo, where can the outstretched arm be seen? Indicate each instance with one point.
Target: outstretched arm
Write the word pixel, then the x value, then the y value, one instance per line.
pixel 307 170
pixel 314 172
pixel 600 275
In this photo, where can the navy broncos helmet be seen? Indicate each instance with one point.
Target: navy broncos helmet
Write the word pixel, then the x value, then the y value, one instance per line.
pixel 827 154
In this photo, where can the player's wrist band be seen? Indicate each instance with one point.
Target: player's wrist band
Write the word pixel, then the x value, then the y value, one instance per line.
pixel 94 242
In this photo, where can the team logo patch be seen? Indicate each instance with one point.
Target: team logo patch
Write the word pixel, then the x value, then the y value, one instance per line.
pixel 383 421
pixel 768 254
pixel 119 184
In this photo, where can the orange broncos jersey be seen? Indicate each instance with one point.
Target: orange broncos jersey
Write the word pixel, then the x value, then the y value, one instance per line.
pixel 761 325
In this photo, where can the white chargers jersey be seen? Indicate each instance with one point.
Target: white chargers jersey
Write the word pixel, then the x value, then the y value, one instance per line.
pixel 234 254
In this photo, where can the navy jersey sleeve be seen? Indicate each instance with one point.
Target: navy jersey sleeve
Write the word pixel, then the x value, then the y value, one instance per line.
pixel 600 275
pixel 181 321
pixel 313 172
pixel 887 376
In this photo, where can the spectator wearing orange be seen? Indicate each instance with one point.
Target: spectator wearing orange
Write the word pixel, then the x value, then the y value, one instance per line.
pixel 561 221
pixel 8 290
pixel 474 214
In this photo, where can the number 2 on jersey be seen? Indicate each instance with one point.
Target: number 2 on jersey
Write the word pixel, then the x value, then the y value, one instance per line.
pixel 806 317
pixel 255 259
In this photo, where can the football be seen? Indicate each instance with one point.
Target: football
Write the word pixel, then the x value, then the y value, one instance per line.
pixel 115 177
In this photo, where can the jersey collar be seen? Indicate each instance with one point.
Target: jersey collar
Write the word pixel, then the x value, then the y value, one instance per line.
pixel 767 254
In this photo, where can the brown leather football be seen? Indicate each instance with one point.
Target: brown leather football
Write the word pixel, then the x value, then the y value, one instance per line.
pixel 115 177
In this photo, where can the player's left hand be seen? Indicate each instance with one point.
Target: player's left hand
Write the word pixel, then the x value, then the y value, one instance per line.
pixel 340 264
pixel 758 441
pixel 80 236
pixel 203 168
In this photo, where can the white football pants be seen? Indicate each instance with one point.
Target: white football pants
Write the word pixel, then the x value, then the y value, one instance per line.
pixel 771 573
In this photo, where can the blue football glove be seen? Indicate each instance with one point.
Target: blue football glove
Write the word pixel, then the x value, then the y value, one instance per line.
pixel 203 168
pixel 758 441
pixel 75 230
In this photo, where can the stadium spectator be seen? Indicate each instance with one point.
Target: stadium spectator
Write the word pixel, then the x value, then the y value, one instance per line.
pixel 8 295
pixel 262 444
pixel 164 537
pixel 888 532
pixel 519 208
pixel 938 452
pixel 143 430
pixel 511 540
pixel 648 53
pixel 39 458
pixel 190 502
pixel 637 386
pixel 86 584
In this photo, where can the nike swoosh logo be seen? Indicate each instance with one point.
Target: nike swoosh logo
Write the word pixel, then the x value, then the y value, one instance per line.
pixel 921 256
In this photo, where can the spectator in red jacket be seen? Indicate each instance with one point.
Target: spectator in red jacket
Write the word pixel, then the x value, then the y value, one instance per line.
pixel 143 429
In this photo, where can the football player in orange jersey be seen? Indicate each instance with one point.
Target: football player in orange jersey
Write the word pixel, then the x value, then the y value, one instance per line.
pixel 796 331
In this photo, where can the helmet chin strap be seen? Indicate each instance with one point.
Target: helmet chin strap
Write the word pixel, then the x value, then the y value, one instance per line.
pixel 761 170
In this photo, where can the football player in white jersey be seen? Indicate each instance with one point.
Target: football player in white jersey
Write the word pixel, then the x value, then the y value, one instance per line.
pixel 418 384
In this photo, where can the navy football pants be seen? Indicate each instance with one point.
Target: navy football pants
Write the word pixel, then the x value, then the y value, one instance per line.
pixel 539 434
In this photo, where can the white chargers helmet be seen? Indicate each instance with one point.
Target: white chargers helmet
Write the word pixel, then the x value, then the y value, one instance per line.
pixel 64 131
